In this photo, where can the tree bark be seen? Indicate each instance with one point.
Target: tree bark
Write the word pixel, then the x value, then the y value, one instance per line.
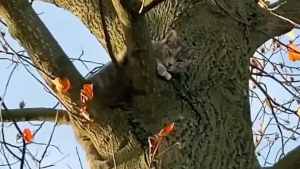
pixel 209 104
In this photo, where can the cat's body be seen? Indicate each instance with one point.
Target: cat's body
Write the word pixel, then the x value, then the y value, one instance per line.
pixel 172 56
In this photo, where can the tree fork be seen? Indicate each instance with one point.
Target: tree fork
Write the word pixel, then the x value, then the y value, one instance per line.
pixel 209 105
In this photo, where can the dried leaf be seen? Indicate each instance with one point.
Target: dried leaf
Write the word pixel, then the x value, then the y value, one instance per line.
pixel 62 85
pixel 28 136
pixel 156 142
pixel 298 112
pixel 293 52
pixel 293 137
pixel 255 63
pixel 261 128
pixel 164 132
pixel 5 48
pixel 87 93
pixel 289 78
pixel 3 34
pixel 267 103
pixel 262 50
pixel 22 104
pixel 275 43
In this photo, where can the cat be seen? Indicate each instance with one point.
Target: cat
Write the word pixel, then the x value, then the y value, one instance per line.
pixel 173 55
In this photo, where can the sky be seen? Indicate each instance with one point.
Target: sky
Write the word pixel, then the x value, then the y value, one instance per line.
pixel 73 37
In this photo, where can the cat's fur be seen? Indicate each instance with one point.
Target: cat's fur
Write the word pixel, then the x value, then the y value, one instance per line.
pixel 173 55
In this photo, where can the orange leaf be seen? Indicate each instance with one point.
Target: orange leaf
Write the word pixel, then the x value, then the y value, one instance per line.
pixel 87 93
pixel 254 62
pixel 62 85
pixel 164 132
pixel 28 136
pixel 293 52
pixel 298 112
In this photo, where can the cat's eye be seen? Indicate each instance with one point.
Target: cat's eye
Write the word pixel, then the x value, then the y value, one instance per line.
pixel 179 60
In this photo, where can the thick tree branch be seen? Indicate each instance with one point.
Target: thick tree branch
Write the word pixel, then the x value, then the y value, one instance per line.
pixel 288 9
pixel 49 58
pixel 138 43
pixel 107 36
pixel 276 20
pixel 92 20
pixel 289 161
pixel 36 114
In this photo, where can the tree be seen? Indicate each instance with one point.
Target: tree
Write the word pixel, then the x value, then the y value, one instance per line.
pixel 209 104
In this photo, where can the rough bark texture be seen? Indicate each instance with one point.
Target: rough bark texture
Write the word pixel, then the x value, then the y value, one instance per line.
pixel 209 104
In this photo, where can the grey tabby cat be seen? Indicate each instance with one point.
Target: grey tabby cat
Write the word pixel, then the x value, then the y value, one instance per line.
pixel 173 55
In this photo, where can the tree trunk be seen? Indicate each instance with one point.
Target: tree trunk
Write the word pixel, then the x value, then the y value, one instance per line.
pixel 209 104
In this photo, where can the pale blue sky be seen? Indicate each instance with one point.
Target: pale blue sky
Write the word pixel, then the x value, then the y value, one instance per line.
pixel 73 36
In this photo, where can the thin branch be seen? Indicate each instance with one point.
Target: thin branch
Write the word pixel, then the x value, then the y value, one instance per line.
pixel 19 131
pixel 107 37
pixel 36 114
pixel 48 55
pixel 79 158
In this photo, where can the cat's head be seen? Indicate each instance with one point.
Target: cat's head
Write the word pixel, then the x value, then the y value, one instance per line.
pixel 173 49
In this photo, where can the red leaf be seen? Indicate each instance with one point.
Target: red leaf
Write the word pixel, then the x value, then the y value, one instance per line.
pixel 293 52
pixel 28 136
pixel 62 85
pixel 86 94
pixel 164 132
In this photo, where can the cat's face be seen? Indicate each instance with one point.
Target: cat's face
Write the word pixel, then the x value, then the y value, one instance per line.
pixel 173 49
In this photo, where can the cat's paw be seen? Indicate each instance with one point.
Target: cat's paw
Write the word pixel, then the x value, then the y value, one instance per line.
pixel 167 76
pixel 161 72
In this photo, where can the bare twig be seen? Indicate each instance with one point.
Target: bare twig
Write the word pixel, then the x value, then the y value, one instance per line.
pixel 107 37
pixel 79 158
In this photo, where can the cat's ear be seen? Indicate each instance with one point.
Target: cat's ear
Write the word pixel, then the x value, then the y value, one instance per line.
pixel 170 37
